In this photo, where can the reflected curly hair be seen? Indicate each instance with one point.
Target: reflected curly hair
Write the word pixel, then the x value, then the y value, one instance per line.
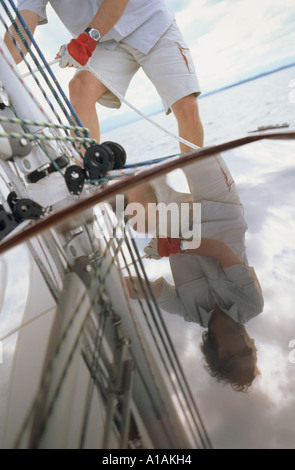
pixel 233 370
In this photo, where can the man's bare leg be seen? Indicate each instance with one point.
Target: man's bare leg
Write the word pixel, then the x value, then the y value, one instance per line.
pixel 85 90
pixel 190 127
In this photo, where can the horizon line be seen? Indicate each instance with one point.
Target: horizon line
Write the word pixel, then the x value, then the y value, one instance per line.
pixel 157 109
pixel 245 80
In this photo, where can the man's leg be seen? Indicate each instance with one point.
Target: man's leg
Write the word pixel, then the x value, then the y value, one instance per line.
pixel 190 127
pixel 85 90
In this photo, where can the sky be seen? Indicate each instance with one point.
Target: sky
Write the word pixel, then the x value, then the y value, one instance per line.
pixel 230 40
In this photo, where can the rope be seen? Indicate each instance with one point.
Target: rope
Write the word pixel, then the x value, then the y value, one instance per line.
pixel 28 48
pixel 25 122
pixel 88 68
pixel 40 68
pixel 51 125
pixel 144 116
pixel 29 67
pixel 31 37
pixel 39 142
pixel 42 137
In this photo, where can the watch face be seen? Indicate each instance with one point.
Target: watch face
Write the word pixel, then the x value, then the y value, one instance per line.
pixel 94 34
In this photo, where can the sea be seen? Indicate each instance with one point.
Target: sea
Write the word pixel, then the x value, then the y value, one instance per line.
pixel 226 115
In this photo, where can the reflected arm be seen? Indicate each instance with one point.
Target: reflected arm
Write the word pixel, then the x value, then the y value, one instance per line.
pixel 135 287
pixel 166 295
pixel 218 250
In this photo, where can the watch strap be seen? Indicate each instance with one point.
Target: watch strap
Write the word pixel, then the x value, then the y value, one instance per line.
pixel 88 31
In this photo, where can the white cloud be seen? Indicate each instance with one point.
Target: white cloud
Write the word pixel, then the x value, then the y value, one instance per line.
pixel 230 39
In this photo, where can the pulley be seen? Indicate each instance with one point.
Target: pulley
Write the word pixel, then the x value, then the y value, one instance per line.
pixel 13 147
pixel 26 209
pixel 119 154
pixel 7 223
pixel 37 175
pixel 98 160
pixel 12 198
pixel 75 178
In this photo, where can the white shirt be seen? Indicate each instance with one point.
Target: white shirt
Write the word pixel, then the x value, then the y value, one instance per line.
pixel 142 24
pixel 201 282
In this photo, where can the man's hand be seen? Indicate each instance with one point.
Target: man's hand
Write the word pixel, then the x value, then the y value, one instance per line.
pixel 77 52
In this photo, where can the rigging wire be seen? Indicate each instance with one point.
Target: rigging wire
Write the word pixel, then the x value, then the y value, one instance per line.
pixel 41 393
pixel 71 139
pixel 165 341
pixel 31 72
pixel 48 69
pixel 154 317
pixel 165 336
pixel 41 55
pixel 25 124
pixel 113 252
pixel 50 125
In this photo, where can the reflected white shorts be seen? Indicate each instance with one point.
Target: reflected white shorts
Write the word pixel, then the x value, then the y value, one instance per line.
pixel 168 65
pixel 210 178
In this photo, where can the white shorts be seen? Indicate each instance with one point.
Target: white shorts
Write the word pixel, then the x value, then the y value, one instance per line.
pixel 168 65
pixel 209 178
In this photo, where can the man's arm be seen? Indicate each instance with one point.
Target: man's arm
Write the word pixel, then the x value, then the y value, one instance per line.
pixel 80 49
pixel 165 246
pixel 218 250
pixel 108 14
pixel 135 283
pixel 31 19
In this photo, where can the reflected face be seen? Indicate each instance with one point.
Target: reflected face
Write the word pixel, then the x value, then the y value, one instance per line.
pixel 235 349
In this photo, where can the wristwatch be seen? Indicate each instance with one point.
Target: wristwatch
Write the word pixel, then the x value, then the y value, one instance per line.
pixel 93 33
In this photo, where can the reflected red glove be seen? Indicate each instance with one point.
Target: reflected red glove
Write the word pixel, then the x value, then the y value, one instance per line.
pixel 163 246
pixel 77 52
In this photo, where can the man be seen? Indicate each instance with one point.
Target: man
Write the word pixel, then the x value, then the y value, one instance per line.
pixel 214 285
pixel 120 36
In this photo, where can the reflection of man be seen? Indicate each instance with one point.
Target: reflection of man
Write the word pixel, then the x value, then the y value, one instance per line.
pixel 213 284
pixel 120 36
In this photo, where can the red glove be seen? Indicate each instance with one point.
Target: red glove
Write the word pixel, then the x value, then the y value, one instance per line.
pixel 77 52
pixel 168 246
pixel 163 246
